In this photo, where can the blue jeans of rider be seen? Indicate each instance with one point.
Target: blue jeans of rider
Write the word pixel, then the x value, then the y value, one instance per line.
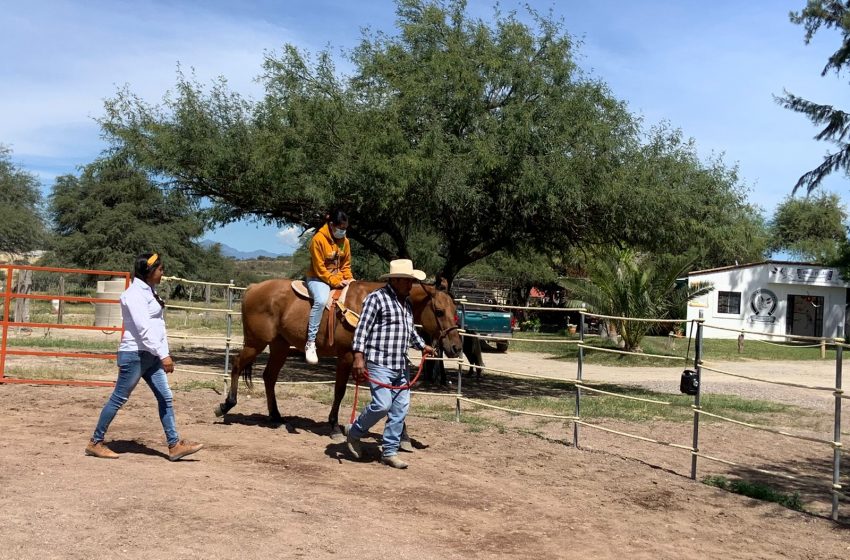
pixel 320 292
pixel 391 403
pixel 133 366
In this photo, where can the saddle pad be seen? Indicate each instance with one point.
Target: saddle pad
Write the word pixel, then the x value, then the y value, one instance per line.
pixel 300 288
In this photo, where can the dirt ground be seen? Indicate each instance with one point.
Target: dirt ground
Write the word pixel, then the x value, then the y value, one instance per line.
pixel 263 491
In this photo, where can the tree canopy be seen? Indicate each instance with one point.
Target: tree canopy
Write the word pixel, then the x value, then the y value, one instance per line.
pixel 811 228
pixel 21 223
pixel 458 135
pixel 830 14
pixel 112 212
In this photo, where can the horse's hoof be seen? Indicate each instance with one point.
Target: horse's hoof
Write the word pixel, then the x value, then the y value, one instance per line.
pixel 337 435
pixel 219 410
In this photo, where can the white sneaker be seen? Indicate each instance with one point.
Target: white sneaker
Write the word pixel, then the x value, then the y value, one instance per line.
pixel 310 353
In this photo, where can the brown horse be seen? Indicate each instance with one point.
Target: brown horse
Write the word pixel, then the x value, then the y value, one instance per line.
pixel 274 315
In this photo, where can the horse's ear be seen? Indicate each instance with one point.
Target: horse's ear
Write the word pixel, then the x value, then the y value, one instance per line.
pixel 429 289
pixel 441 283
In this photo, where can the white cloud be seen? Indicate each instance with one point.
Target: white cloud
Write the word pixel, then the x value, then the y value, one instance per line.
pixel 289 238
pixel 62 60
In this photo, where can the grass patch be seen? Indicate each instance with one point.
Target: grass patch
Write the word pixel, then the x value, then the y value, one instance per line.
pixel 713 349
pixel 201 321
pixel 194 385
pixel 756 490
pixel 61 373
pixel 37 341
pixel 596 406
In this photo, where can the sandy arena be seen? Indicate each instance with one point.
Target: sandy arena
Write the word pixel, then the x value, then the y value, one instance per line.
pixel 261 491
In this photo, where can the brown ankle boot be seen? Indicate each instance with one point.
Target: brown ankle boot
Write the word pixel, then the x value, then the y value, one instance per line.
pixel 182 448
pixel 100 450
pixel 393 461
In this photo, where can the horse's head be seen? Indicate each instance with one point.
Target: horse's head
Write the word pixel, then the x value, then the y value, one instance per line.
pixel 439 318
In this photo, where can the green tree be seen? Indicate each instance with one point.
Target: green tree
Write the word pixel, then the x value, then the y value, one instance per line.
pixel 811 228
pixel 113 212
pixel 626 283
pixel 21 223
pixel 459 136
pixel 682 204
pixel 830 14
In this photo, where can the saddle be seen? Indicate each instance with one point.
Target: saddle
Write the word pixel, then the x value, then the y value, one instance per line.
pixel 334 305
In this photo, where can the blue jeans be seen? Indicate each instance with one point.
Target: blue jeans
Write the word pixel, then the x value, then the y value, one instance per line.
pixel 133 366
pixel 391 403
pixel 320 292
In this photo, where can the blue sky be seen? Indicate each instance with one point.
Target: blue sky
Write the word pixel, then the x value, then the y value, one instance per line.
pixel 709 68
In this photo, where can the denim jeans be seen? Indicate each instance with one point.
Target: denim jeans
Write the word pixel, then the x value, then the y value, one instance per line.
pixel 385 402
pixel 133 366
pixel 320 292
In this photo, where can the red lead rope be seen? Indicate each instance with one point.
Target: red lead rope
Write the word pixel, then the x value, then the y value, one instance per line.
pixel 384 385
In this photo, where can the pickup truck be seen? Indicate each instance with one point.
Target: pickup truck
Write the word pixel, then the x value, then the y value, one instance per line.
pixel 483 320
pixel 486 322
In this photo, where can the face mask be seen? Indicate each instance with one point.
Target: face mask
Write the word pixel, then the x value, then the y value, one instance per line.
pixel 338 233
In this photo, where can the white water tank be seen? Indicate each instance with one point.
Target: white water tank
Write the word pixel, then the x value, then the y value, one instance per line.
pixel 108 314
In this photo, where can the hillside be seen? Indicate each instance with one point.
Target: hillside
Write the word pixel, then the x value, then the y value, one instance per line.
pixel 263 268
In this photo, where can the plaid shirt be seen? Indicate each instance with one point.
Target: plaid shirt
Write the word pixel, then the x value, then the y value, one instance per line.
pixel 385 330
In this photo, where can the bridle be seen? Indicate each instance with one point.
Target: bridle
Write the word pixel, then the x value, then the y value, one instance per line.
pixel 443 332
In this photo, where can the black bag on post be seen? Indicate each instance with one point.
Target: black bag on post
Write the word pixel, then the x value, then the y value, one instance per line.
pixel 689 383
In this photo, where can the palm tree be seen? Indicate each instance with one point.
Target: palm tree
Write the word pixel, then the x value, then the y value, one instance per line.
pixel 626 283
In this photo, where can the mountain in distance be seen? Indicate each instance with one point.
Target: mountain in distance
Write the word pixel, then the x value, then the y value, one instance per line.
pixel 229 251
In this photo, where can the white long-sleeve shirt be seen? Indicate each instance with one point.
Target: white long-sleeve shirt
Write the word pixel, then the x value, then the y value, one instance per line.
pixel 144 326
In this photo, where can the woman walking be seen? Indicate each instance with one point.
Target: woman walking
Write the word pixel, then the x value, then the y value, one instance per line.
pixel 143 354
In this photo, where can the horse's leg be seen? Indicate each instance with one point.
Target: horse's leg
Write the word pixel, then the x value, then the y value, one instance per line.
pixel 472 351
pixel 278 352
pixel 245 359
pixel 479 358
pixel 343 371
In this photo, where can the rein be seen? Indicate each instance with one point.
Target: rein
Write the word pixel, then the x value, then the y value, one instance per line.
pixel 384 385
pixel 443 334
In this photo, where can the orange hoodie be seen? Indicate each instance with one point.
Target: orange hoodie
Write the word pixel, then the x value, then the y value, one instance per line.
pixel 330 261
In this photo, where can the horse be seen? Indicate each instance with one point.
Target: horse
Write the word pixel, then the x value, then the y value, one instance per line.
pixel 274 315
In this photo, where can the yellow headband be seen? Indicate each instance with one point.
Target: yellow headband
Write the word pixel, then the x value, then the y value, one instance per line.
pixel 153 259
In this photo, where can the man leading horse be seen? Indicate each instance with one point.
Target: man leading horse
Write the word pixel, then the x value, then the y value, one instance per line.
pixel 383 335
pixel 274 316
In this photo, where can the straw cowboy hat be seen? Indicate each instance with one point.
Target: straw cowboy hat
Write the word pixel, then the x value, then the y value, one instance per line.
pixel 403 268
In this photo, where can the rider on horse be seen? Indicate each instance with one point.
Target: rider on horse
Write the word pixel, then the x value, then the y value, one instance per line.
pixel 330 267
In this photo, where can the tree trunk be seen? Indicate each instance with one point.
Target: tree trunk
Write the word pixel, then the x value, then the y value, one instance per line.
pixel 22 306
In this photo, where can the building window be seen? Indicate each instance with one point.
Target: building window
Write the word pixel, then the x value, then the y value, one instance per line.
pixel 729 302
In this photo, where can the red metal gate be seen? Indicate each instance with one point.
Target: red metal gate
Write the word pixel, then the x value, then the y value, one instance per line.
pixel 8 296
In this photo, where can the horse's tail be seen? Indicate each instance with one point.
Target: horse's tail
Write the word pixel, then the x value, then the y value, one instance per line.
pixel 247 372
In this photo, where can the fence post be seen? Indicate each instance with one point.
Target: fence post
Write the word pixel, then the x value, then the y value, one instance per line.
pixel 698 368
pixel 207 299
pixel 579 375
pixel 7 303
pixel 457 399
pixel 836 438
pixel 823 349
pixel 61 310
pixel 229 332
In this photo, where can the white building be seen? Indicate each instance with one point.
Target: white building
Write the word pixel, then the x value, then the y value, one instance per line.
pixel 771 297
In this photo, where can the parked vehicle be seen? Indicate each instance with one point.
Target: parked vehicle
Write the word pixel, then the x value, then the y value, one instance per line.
pixel 475 318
